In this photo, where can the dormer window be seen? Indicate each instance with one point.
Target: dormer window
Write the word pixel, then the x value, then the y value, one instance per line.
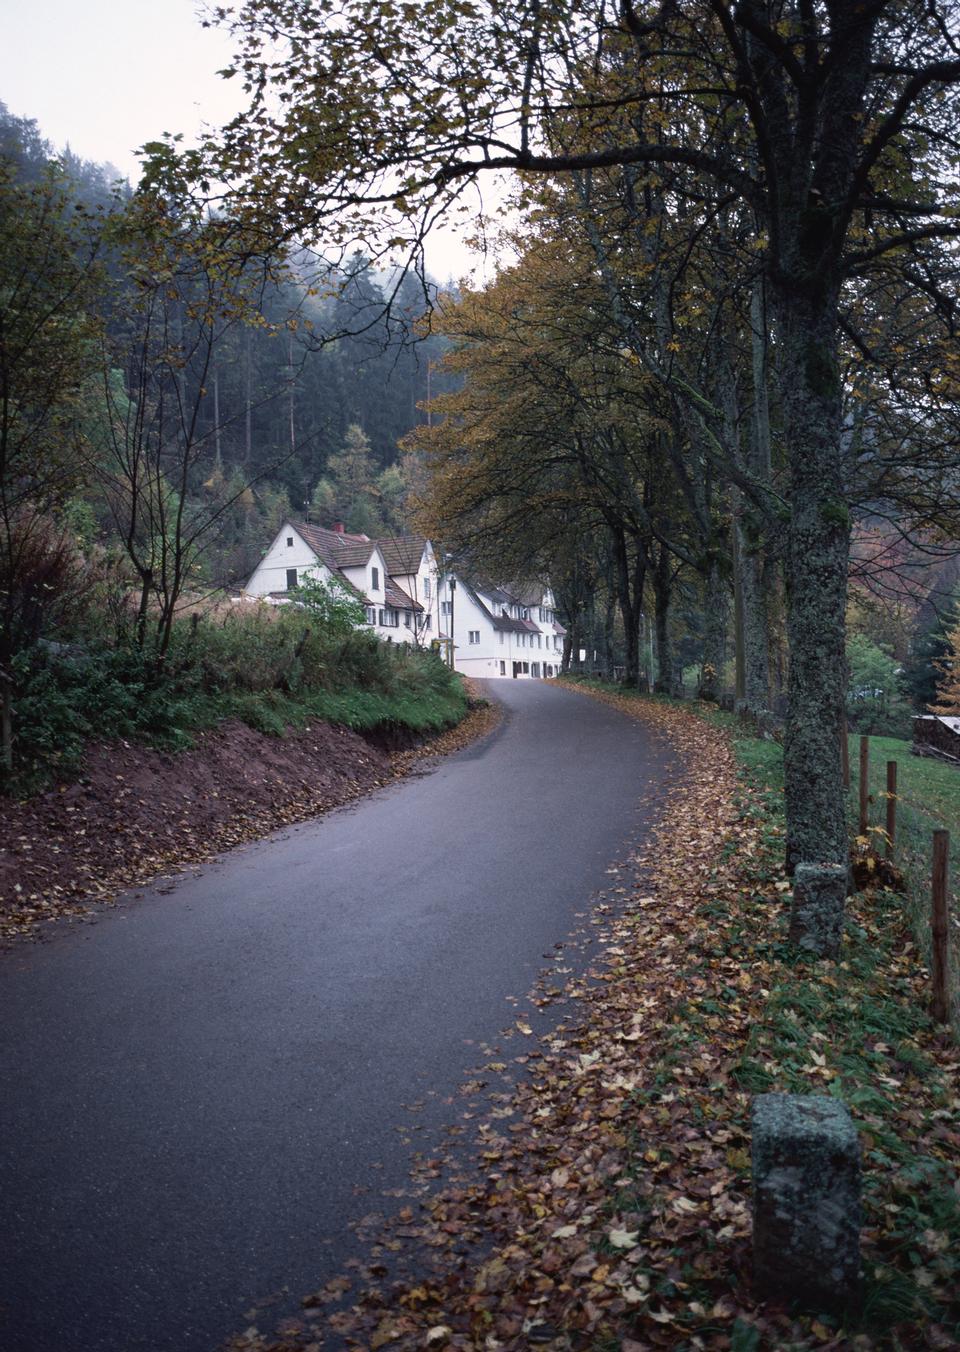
pixel 375 574
pixel 289 541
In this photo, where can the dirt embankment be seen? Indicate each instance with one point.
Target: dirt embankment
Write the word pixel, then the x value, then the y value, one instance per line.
pixel 135 813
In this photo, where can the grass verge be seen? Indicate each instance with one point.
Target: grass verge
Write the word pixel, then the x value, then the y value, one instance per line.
pixel 928 798
pixel 856 1030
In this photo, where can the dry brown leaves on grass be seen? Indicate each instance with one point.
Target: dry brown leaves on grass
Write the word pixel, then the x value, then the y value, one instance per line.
pixel 134 814
pixel 608 1206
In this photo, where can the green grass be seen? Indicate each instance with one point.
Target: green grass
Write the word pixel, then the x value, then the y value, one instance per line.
pixel 865 1019
pixel 929 787
pixel 928 798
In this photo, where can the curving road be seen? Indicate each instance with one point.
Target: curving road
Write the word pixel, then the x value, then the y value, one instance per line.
pixel 194 1092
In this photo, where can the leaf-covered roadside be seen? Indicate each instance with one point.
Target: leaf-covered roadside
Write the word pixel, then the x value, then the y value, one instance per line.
pixel 610 1209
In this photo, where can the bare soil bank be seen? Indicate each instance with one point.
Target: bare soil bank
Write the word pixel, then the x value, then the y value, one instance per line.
pixel 135 813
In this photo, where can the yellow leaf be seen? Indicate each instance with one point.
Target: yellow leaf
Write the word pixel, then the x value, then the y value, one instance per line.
pixel 384 1333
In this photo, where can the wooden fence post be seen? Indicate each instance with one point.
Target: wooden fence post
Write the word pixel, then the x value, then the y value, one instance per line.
pixel 940 1003
pixel 891 806
pixel 864 783
pixel 844 751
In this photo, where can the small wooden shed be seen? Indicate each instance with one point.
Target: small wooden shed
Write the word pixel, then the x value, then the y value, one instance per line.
pixel 937 735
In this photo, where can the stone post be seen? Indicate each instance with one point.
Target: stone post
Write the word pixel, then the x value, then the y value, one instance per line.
pixel 816 916
pixel 806 1201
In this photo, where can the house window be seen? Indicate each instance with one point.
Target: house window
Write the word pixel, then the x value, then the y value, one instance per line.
pixel 474 635
pixel 426 587
pixel 444 607
pixel 289 541
pixel 390 618
pixel 429 623
pixel 371 612
pixel 375 575
pixel 501 635
pixel 406 619
pixel 291 578
pixel 503 668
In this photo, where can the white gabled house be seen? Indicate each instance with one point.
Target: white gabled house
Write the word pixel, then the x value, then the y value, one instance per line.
pixel 394 579
pixel 502 630
pixel 497 631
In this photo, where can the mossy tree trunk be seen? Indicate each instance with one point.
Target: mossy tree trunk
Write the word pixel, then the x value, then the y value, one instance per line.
pixel 816 574
pixel 716 601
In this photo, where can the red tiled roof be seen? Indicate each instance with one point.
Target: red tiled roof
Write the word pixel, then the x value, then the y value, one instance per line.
pixel 334 547
pixel 398 598
pixel 402 553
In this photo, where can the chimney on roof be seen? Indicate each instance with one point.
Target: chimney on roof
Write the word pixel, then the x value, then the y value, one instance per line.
pixel 338 527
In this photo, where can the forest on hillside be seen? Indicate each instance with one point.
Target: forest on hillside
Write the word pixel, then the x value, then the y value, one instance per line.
pixel 291 397
pixel 169 392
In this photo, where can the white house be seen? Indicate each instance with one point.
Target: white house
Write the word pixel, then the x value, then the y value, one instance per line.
pixel 502 630
pixel 497 631
pixel 395 579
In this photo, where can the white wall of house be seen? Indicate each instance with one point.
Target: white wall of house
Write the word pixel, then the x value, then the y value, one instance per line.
pixel 483 650
pixel 288 554
pixel 422 586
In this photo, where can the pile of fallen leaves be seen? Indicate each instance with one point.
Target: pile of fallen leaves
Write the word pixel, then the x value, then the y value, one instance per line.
pixel 609 1204
pixel 134 813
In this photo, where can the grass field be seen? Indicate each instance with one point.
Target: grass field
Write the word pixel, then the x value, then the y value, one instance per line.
pixel 928 798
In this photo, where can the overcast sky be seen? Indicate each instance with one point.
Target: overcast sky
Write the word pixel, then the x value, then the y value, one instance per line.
pixel 104 76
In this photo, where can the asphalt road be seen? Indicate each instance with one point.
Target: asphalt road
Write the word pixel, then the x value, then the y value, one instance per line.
pixel 194 1091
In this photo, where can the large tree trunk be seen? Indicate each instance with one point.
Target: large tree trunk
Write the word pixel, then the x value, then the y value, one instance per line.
pixel 247 397
pixel 752 565
pixel 816 574
pixel 716 596
pixel 755 632
pixel 629 608
pixel 609 655
pixel 6 723
pixel 662 590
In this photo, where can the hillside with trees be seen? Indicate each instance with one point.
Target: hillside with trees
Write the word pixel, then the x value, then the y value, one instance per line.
pixel 170 391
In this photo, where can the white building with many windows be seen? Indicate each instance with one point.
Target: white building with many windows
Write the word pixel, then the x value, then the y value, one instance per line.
pixel 497 631
pixel 395 579
pixel 501 630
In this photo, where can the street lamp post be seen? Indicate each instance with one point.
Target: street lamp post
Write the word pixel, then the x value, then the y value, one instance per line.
pixel 453 593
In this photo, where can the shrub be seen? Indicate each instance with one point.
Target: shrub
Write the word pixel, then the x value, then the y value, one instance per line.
pixel 875 702
pixel 270 666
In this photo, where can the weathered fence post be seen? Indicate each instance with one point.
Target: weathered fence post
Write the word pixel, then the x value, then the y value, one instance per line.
pixel 806 1201
pixel 844 751
pixel 891 806
pixel 940 929
pixel 864 784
